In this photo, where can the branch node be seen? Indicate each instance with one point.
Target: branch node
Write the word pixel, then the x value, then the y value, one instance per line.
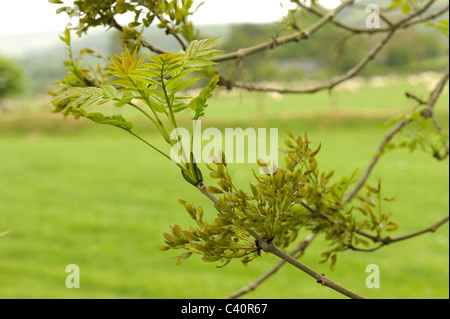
pixel 321 279
pixel 387 240
pixel 426 113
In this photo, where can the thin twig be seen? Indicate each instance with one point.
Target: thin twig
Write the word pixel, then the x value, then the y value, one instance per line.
pixel 320 278
pixel 415 98
pixel 326 217
pixel 387 138
pixel 324 280
pixel 431 229
pixel 144 43
pixel 434 95
pixel 404 23
pixel 388 240
pixel 273 249
pixel 296 36
pixel 297 252
pixel 202 187
pixel 377 239
pixel 179 39
pixel 328 85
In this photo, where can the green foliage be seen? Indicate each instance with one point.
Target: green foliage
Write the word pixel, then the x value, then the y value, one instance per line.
pixel 11 78
pixel 420 134
pixel 77 75
pixel 198 104
pixel 279 205
pixel 158 84
pixel 76 100
pixel 442 25
pixel 406 6
pixel 172 16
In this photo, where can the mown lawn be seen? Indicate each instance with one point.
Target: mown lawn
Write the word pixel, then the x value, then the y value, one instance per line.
pixel 76 193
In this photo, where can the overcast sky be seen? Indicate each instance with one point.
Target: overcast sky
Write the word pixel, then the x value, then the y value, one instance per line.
pixel 25 16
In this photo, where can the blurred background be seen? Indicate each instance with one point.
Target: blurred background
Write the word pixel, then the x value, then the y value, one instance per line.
pixel 72 192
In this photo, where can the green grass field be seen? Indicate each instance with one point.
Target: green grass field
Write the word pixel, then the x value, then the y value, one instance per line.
pixel 72 192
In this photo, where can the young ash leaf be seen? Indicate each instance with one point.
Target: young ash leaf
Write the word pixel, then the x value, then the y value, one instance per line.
pixel 198 104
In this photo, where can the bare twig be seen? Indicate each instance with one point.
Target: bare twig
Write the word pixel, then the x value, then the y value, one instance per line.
pixel 320 278
pixel 152 47
pixel 387 138
pixel 202 187
pixel 328 85
pixel 270 247
pixel 403 23
pixel 178 38
pixel 431 229
pixel 144 43
pixel 388 240
pixel 386 20
pixel 415 98
pixel 296 36
pixel 297 252
pixel 434 95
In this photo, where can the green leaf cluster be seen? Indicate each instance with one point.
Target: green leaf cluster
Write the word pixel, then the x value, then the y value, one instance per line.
pixel 441 25
pixel 172 15
pixel 406 6
pixel 77 74
pixel 160 82
pixel 156 89
pixel 419 135
pixel 278 205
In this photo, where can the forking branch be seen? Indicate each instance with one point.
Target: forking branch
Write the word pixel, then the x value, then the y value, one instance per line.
pixel 297 252
pixel 428 112
pixel 270 247
pixel 404 23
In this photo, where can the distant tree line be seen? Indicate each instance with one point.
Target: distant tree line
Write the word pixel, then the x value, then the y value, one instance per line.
pixel 11 78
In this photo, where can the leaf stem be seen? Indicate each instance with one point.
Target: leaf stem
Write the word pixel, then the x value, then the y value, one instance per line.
pixel 149 144
pixel 320 278
pixel 160 127
pixel 169 103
